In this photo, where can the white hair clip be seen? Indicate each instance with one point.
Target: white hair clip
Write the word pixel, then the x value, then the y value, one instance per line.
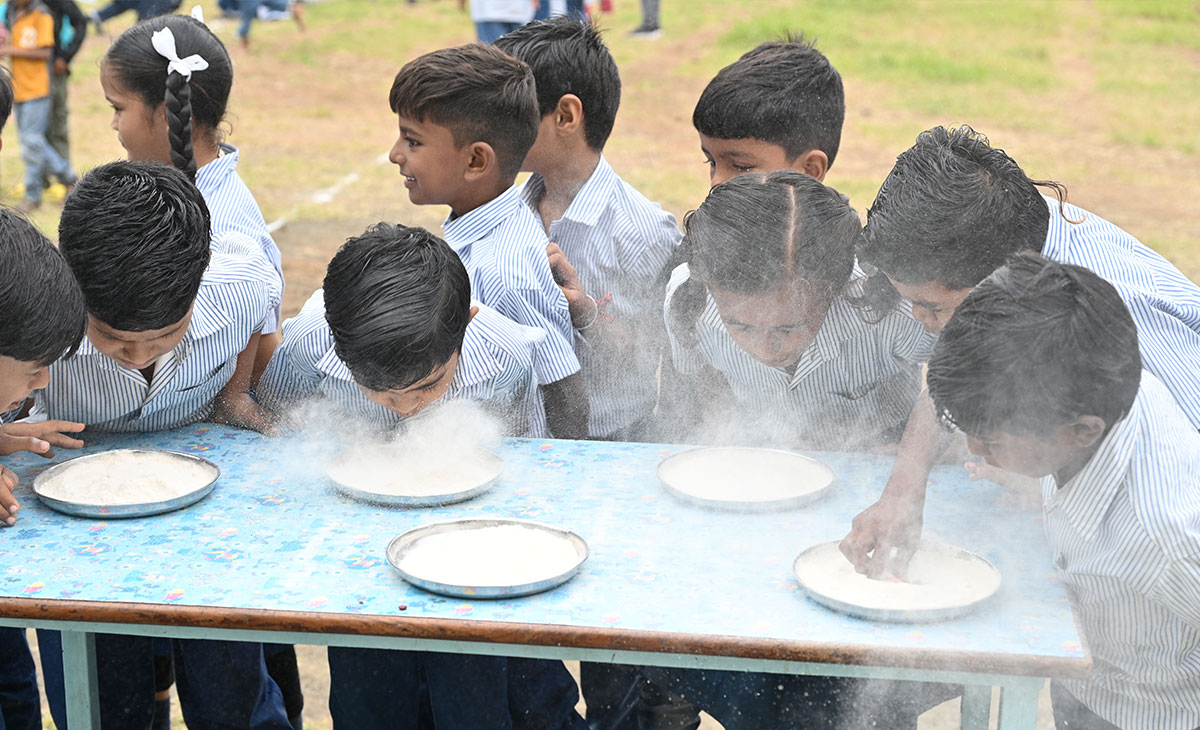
pixel 164 42
pixel 198 13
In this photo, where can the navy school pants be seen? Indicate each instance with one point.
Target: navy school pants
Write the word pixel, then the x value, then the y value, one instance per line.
pixel 20 706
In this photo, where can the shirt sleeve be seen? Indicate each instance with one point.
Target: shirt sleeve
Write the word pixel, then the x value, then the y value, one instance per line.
pixel 556 358
pixel 45 30
pixel 291 376
pixel 687 359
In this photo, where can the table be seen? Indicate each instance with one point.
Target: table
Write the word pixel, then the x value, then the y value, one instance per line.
pixel 274 554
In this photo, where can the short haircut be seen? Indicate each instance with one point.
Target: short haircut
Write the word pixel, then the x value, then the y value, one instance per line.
pixel 568 57
pixel 136 235
pixel 782 92
pixel 479 93
pixel 760 231
pixel 952 211
pixel 397 300
pixel 44 316
pixel 6 96
pixel 1033 347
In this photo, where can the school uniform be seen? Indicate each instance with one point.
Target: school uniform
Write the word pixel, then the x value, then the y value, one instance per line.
pixel 1125 535
pixel 232 207
pixel 221 683
pixel 852 388
pixel 495 368
pixel 235 299
pixel 1164 303
pixel 20 704
pixel 503 248
pixel 619 242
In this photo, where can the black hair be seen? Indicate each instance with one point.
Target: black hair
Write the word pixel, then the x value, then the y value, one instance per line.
pixel 44 317
pixel 1033 347
pixel 479 93
pixel 136 235
pixel 758 231
pixel 782 92
pixel 397 300
pixel 952 211
pixel 202 100
pixel 6 96
pixel 567 56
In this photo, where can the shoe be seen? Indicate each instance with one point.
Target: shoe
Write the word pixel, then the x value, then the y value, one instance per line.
pixel 94 18
pixel 28 205
pixel 55 193
pixel 646 32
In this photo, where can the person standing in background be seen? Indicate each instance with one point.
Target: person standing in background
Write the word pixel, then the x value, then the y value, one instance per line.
pixel 494 18
pixel 70 28
pixel 649 27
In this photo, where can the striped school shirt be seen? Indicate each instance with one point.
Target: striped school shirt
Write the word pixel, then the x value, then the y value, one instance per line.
pixel 852 388
pixel 495 368
pixel 1125 534
pixel 236 296
pixel 1164 303
pixel 619 242
pixel 232 207
pixel 504 249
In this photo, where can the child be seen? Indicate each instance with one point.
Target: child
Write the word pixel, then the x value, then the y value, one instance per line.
pixel 150 94
pixel 468 116
pixel 613 238
pixel 172 329
pixel 381 343
pixel 952 211
pixel 31 45
pixel 780 106
pixel 44 318
pixel 766 313
pixel 1039 367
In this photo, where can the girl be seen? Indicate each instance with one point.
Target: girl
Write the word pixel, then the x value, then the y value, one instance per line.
pixel 168 81
pixel 766 314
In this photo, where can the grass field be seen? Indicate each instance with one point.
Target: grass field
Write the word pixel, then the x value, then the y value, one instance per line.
pixel 1103 96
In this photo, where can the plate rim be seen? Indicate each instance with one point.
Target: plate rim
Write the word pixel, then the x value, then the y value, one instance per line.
pixel 729 505
pixel 432 500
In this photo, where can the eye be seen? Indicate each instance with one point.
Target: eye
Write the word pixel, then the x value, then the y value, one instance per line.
pixel 744 168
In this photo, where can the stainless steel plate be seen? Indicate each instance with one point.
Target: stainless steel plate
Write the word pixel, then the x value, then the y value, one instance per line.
pixel 947 582
pixel 402 546
pixel 744 479
pixel 488 465
pixel 81 465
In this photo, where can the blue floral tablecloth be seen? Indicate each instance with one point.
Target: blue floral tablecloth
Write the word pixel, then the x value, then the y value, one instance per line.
pixel 274 535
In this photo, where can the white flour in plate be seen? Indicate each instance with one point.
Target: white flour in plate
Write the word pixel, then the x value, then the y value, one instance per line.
pixel 939 577
pixel 499 555
pixel 398 471
pixel 126 477
pixel 744 474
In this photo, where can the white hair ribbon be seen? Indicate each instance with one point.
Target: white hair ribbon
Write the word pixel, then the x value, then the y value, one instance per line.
pixel 198 13
pixel 164 42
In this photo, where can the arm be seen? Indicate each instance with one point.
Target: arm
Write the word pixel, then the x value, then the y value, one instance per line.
pixel 37 437
pixel 39 54
pixel 234 404
pixel 584 310
pixel 8 504
pixel 79 23
pixel 567 408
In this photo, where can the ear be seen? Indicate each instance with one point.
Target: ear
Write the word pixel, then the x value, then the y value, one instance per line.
pixel 568 114
pixel 471 314
pixel 1086 430
pixel 813 163
pixel 481 160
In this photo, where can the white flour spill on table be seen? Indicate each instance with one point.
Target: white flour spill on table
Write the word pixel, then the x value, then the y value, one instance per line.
pixel 500 555
pixel 123 477
pixel 407 472
pixel 744 474
pixel 939 577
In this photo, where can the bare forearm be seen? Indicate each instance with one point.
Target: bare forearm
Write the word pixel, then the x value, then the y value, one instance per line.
pixel 38 54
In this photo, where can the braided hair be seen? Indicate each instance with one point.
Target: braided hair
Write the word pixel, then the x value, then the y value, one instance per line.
pixel 200 101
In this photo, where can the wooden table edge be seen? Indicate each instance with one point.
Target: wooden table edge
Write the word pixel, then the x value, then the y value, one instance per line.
pixel 498 632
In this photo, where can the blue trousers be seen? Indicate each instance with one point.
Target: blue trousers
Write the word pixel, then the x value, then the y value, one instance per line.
pixel 223 685
pixel 488 31
pixel 20 706
pixel 249 11
pixel 41 160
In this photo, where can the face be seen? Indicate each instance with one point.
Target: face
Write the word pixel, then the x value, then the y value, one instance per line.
pixel 18 379
pixel 140 129
pixel 932 303
pixel 728 158
pixel 432 165
pixel 136 350
pixel 1032 456
pixel 773 327
pixel 408 402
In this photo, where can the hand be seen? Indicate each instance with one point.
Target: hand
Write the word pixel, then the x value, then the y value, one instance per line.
pixel 37 437
pixel 1020 490
pixel 583 308
pixel 8 504
pixel 239 409
pixel 60 67
pixel 884 536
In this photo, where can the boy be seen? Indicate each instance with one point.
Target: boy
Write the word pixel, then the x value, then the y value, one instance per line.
pixel 31 45
pixel 950 213
pixel 780 106
pixel 172 326
pixel 468 116
pixel 381 343
pixel 610 243
pixel 1039 367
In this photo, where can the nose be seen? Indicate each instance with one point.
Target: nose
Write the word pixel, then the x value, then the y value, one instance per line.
pixel 717 176
pixel 138 352
pixel 113 124
pixel 975 446
pixel 41 379
pixel 408 405
pixel 926 318
pixel 396 155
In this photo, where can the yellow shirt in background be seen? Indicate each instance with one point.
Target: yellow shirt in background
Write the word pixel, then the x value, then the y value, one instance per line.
pixel 31 76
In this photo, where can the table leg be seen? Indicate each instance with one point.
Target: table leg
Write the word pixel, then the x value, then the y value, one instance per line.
pixel 1018 704
pixel 79 676
pixel 976 706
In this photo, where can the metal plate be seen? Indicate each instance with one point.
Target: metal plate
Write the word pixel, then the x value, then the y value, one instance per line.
pixel 744 479
pixel 139 509
pixel 936 570
pixel 400 547
pixel 490 466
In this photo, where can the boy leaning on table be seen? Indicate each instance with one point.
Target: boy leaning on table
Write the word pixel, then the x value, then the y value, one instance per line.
pixel 1039 367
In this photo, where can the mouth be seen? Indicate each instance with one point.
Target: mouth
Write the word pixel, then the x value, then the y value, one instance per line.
pixel 15 405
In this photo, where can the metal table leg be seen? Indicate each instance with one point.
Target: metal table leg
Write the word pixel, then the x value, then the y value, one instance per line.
pixel 79 675
pixel 1018 704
